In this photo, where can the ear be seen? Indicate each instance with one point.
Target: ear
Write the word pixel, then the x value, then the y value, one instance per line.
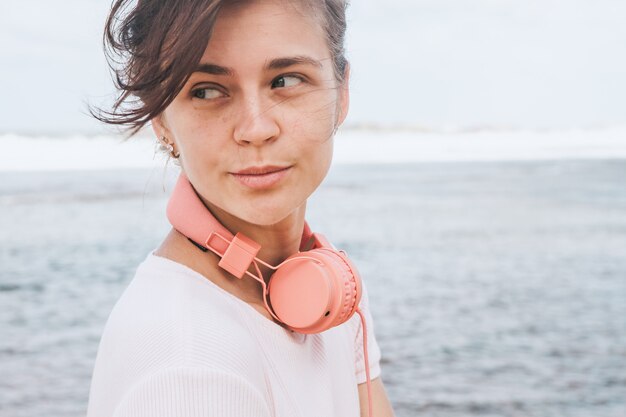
pixel 159 127
pixel 344 96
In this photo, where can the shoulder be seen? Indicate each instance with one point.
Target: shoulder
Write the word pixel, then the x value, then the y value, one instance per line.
pixel 171 317
pixel 176 303
pixel 169 306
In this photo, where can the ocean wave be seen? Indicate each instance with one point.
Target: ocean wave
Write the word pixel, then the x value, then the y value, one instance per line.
pixel 353 144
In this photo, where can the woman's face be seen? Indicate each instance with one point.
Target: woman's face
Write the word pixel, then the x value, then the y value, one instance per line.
pixel 254 123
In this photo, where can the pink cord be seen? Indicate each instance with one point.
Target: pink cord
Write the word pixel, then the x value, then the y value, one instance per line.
pixel 367 364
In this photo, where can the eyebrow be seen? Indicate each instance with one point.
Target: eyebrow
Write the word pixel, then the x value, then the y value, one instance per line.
pixel 274 64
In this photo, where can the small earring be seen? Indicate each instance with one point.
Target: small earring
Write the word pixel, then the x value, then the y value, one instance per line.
pixel 169 147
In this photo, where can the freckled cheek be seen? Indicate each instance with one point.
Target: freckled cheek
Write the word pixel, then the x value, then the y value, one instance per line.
pixel 200 145
pixel 306 128
pixel 318 155
pixel 317 109
pixel 316 135
pixel 199 128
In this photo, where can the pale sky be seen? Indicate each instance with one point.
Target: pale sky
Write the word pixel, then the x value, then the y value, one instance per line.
pixel 431 63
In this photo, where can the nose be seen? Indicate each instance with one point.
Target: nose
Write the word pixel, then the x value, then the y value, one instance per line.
pixel 256 125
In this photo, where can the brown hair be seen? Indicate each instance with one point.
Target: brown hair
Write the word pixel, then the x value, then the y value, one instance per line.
pixel 152 48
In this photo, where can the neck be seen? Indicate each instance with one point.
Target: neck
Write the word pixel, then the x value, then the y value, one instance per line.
pixel 278 241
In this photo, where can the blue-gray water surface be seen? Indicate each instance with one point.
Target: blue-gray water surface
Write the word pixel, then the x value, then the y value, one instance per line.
pixel 497 289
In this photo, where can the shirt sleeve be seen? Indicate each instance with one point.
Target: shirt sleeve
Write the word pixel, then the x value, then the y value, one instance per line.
pixel 372 346
pixel 192 392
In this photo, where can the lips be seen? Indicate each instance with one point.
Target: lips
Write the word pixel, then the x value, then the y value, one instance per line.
pixel 268 169
pixel 263 177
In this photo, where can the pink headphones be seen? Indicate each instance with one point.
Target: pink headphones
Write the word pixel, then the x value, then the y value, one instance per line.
pixel 310 292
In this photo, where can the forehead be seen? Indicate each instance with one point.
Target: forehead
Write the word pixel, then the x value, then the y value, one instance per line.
pixel 266 29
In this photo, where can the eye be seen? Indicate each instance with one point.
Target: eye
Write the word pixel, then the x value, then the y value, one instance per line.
pixel 207 93
pixel 286 81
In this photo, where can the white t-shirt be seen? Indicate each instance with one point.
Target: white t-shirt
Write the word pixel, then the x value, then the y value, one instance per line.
pixel 178 345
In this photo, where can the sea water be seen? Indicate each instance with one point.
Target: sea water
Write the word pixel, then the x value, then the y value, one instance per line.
pixel 497 288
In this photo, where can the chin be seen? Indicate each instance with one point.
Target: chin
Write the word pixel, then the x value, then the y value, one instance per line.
pixel 271 211
pixel 265 216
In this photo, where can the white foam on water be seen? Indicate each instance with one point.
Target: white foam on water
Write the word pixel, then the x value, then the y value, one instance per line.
pixel 352 146
pixel 486 145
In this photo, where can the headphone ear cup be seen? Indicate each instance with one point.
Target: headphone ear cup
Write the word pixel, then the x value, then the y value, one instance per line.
pixel 352 286
pixel 314 291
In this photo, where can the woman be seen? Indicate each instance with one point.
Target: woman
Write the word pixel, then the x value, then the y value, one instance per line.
pixel 247 96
